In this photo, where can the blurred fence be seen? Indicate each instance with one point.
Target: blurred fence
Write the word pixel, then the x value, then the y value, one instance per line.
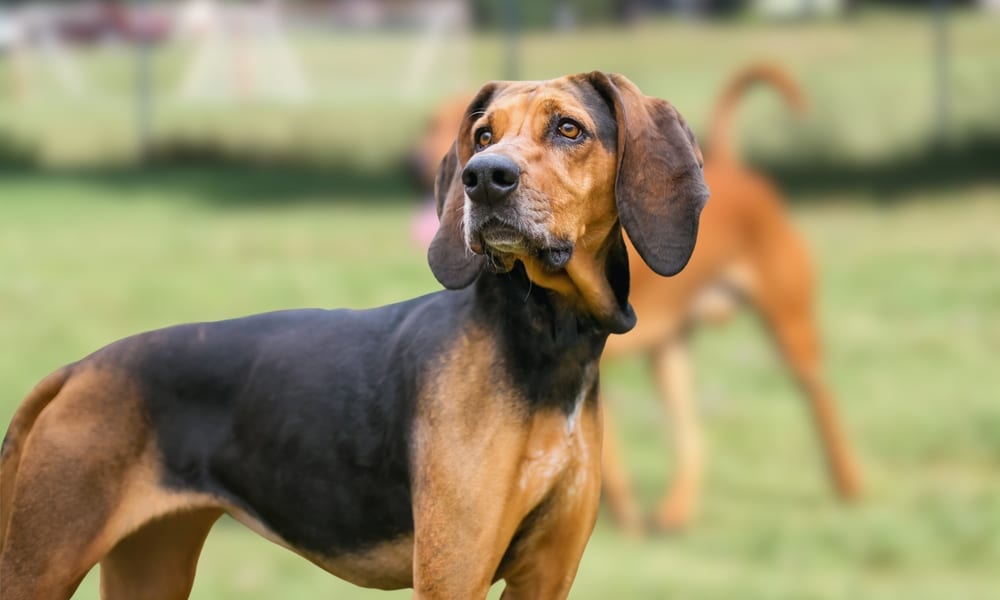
pixel 348 86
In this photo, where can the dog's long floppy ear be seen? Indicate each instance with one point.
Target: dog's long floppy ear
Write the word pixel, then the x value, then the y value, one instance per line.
pixel 659 190
pixel 452 262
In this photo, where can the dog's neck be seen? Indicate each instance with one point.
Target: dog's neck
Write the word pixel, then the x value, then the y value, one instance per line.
pixel 550 349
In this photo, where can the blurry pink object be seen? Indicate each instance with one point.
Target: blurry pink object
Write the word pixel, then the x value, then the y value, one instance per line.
pixel 424 224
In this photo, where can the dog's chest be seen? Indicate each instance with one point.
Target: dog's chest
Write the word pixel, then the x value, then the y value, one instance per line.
pixel 558 438
pixel 557 453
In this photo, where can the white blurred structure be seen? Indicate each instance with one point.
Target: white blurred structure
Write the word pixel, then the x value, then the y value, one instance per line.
pixel 785 9
pixel 242 52
pixel 446 26
pixel 992 6
pixel 39 60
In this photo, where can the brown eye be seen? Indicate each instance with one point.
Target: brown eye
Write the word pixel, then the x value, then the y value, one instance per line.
pixel 569 129
pixel 484 138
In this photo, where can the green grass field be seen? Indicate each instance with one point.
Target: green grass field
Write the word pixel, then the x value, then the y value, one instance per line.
pixel 909 298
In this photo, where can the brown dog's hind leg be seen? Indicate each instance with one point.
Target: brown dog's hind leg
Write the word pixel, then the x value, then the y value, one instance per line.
pixel 158 561
pixel 795 333
pixel 784 299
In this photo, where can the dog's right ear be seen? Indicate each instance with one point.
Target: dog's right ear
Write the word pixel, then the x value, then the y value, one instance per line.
pixel 451 260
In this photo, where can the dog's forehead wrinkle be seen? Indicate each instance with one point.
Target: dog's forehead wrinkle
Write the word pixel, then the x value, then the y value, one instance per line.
pixel 536 102
pixel 562 105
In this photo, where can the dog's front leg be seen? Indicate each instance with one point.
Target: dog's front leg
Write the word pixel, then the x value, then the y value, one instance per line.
pixel 462 527
pixel 543 562
pixel 457 551
pixel 465 509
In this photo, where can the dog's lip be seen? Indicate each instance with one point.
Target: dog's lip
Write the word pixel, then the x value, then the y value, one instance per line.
pixel 502 237
pixel 499 237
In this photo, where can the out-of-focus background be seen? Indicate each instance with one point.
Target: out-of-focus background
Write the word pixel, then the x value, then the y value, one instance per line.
pixel 167 162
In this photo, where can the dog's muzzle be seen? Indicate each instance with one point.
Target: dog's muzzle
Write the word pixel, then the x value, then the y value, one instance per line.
pixel 495 229
pixel 504 242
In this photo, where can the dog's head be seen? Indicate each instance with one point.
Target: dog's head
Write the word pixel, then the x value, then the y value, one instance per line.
pixel 543 173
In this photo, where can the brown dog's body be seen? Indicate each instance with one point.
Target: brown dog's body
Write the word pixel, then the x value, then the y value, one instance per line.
pixel 747 250
pixel 442 443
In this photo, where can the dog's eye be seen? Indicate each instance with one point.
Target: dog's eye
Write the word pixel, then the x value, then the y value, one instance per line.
pixel 484 137
pixel 569 129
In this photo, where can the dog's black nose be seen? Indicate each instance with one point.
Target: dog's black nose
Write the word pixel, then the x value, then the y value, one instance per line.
pixel 489 178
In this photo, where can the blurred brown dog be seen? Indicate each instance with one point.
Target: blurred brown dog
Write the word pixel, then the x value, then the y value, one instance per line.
pixel 747 251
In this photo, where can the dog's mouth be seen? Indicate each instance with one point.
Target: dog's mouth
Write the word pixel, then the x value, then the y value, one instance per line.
pixel 499 237
pixel 504 243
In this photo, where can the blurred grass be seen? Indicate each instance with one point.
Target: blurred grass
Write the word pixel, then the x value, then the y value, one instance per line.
pixel 910 295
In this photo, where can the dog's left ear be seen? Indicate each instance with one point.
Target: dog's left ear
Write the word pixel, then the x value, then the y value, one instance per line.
pixel 452 262
pixel 659 190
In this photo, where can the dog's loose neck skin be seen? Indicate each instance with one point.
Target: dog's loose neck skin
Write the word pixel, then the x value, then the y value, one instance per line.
pixel 546 343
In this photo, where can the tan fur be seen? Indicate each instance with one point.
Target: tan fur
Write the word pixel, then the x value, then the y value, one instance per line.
pixel 387 566
pixel 24 419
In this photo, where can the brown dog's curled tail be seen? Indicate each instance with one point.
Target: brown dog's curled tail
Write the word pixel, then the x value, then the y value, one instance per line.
pixel 720 139
pixel 10 453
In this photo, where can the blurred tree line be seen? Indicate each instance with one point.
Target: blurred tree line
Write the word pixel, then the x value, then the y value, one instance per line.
pixel 567 13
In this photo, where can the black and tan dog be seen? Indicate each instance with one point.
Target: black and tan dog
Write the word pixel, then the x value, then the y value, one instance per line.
pixel 442 443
